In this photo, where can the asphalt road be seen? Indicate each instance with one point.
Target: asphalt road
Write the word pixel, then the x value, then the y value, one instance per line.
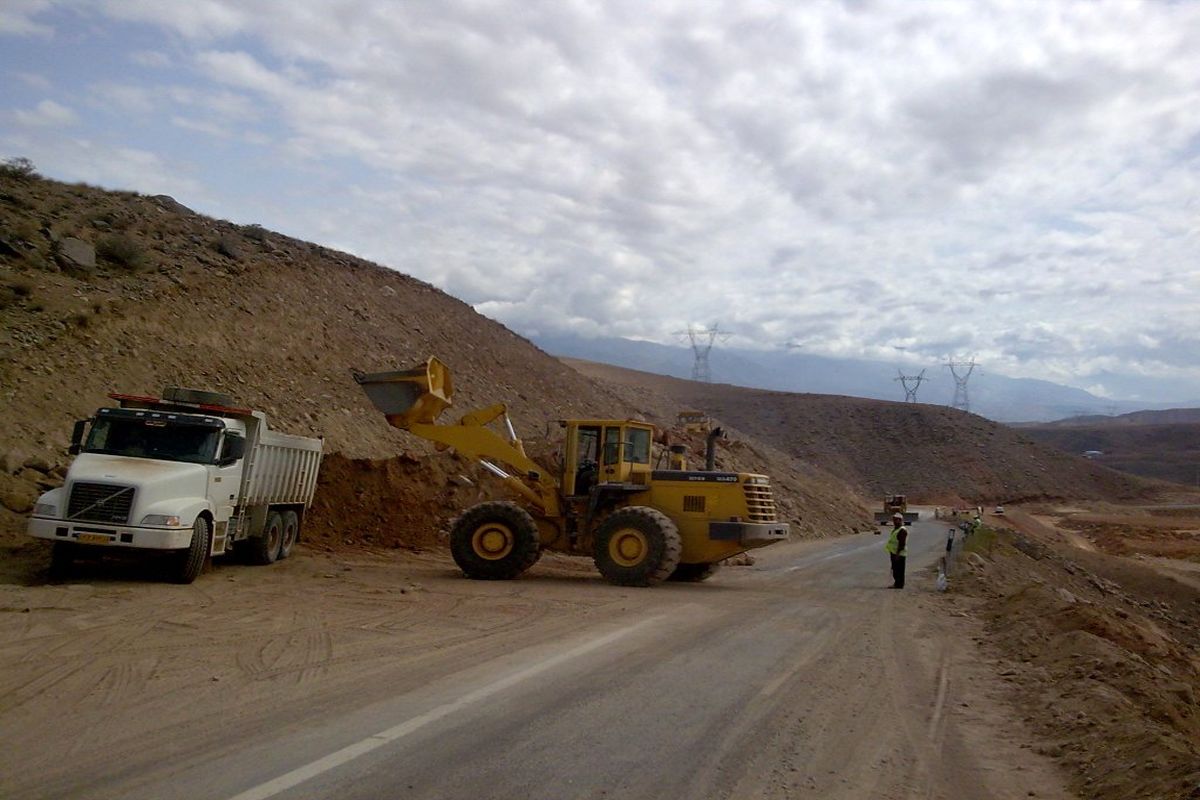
pixel 804 676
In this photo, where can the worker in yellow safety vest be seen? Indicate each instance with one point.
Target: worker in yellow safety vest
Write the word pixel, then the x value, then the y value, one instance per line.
pixel 897 548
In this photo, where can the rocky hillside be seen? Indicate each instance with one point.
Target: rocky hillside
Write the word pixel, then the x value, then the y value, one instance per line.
pixel 112 291
pixel 932 453
pixel 1153 444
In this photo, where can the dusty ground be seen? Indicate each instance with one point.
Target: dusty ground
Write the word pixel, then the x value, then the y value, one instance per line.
pixel 1091 612
pixel 848 691
pixel 1102 652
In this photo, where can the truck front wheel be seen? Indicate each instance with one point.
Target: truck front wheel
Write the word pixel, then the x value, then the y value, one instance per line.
pixel 494 541
pixel 62 557
pixel 191 561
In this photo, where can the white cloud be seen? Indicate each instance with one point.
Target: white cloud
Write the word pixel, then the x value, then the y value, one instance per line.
pixel 153 59
pixel 1011 179
pixel 17 17
pixel 47 113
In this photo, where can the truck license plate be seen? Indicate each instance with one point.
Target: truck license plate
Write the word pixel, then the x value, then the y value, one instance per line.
pixel 93 538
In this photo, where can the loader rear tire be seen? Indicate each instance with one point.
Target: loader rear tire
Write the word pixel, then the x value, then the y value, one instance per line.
pixel 637 546
pixel 494 541
pixel 694 573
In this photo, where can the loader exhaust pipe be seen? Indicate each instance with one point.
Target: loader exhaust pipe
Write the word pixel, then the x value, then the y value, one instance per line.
pixel 710 450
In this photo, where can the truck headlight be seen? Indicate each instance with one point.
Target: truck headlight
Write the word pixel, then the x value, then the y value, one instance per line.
pixel 160 521
pixel 45 510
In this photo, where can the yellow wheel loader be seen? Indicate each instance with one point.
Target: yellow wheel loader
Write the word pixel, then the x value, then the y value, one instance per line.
pixel 895 504
pixel 641 525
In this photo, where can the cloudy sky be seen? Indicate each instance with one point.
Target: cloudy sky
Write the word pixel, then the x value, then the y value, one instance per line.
pixel 1018 181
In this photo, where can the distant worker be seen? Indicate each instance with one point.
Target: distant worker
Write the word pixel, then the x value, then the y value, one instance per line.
pixel 897 548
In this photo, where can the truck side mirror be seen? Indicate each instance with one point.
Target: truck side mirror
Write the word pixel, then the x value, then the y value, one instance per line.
pixel 77 437
pixel 235 448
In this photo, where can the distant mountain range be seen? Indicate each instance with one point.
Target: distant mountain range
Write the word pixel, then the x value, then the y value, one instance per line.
pixel 994 396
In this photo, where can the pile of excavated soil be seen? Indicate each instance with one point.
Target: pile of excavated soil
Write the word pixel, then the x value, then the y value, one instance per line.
pixel 1103 656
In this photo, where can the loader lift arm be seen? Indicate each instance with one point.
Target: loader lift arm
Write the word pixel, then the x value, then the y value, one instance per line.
pixel 413 399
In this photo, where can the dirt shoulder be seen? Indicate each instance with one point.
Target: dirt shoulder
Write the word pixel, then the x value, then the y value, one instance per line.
pixel 1101 651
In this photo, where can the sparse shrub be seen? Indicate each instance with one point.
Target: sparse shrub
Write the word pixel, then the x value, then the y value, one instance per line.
pixel 26 230
pixel 18 169
pixel 255 232
pixel 79 319
pixel 12 293
pixel 122 251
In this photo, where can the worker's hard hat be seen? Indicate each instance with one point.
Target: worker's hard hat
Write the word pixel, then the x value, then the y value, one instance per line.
pixel 898 516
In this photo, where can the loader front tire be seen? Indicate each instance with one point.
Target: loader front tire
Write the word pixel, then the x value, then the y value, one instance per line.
pixel 494 541
pixel 637 546
pixel 694 573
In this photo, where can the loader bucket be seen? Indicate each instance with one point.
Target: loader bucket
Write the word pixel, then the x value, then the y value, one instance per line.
pixel 410 396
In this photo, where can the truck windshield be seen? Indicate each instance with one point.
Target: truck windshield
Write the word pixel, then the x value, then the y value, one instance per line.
pixel 167 441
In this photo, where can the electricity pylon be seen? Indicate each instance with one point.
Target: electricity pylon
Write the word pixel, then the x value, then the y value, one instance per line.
pixel 961 400
pixel 910 392
pixel 702 343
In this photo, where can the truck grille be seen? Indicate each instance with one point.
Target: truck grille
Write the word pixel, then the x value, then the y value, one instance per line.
pixel 760 503
pixel 100 502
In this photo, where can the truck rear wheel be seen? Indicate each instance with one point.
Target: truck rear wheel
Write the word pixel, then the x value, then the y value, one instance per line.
pixel 637 546
pixel 264 548
pixel 191 561
pixel 291 532
pixel 694 573
pixel 494 541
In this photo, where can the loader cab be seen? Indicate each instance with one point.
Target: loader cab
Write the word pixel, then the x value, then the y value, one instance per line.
pixel 605 452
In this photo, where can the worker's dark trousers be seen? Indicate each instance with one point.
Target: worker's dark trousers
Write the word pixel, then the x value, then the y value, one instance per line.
pixel 898 570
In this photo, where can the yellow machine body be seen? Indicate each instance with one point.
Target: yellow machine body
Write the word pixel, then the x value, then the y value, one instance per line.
pixel 605 466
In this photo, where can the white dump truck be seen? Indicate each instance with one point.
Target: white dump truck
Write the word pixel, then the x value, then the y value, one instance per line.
pixel 187 472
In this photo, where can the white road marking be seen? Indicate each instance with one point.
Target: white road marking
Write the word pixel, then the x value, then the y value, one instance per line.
pixel 353 751
pixel 809 562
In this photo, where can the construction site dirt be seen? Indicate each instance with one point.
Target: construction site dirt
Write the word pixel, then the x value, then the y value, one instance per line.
pixel 1062 661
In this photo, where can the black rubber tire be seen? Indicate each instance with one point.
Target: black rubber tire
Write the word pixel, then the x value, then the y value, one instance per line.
pixel 694 573
pixel 62 558
pixel 191 561
pixel 656 560
pixel 178 394
pixel 510 526
pixel 291 533
pixel 264 549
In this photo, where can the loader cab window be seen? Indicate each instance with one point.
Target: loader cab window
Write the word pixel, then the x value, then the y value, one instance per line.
pixel 637 446
pixel 586 468
pixel 612 446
